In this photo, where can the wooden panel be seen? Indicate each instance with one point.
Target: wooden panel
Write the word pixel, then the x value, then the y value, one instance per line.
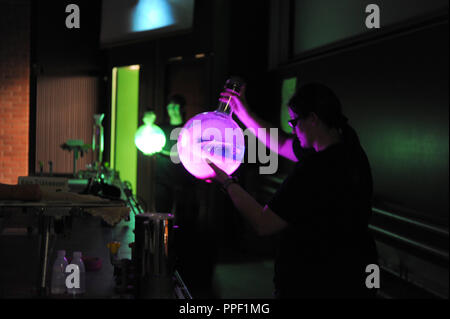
pixel 65 109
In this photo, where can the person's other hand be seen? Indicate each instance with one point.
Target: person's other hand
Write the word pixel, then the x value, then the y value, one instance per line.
pixel 238 102
pixel 220 176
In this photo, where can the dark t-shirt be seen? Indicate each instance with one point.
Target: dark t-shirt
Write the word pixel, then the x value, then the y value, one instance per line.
pixel 175 186
pixel 168 172
pixel 327 203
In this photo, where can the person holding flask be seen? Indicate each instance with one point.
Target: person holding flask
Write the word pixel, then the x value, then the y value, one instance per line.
pixel 322 210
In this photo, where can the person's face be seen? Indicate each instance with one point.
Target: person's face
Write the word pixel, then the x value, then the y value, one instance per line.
pixel 173 109
pixel 303 129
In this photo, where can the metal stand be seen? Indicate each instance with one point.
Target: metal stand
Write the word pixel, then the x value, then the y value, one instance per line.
pixel 44 233
pixel 47 211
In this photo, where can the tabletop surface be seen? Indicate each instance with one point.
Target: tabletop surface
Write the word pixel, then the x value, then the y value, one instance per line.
pixel 15 203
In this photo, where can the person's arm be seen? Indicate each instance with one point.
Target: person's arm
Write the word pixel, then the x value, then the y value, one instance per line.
pixel 281 143
pixel 263 219
pixel 20 192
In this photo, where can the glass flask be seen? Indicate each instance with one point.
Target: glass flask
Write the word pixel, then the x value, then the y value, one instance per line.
pixel 98 140
pixel 149 138
pixel 214 136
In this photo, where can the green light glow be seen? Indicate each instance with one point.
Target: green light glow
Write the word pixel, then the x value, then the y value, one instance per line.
pixel 149 138
pixel 287 90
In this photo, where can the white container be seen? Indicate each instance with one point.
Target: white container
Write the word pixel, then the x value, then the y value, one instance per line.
pixel 76 260
pixel 58 283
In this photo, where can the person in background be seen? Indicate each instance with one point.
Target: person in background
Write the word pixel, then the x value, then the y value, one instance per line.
pixel 171 178
pixel 322 210
pixel 179 193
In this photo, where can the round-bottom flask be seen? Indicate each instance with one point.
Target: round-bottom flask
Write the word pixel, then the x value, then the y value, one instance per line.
pixel 212 136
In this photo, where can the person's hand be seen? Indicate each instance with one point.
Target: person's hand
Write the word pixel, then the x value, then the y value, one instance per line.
pixel 221 176
pixel 238 102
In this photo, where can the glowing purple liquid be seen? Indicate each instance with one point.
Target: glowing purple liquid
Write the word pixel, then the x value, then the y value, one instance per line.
pixel 214 136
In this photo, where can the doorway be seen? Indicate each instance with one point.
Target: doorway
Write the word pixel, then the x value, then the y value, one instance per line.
pixel 124 122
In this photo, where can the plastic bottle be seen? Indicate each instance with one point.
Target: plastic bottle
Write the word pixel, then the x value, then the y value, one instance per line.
pixel 58 283
pixel 98 140
pixel 76 260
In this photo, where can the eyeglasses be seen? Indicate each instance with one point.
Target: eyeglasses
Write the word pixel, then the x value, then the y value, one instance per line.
pixel 293 122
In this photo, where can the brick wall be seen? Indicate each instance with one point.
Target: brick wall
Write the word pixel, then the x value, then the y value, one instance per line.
pixel 14 88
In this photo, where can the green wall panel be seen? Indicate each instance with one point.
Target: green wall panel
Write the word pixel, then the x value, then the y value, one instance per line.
pixel 126 120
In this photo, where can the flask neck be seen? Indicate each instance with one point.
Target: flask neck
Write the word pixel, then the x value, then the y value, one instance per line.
pixel 231 86
pixel 225 107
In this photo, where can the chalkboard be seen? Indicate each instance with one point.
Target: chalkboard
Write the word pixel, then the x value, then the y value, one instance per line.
pixel 395 94
pixel 318 23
